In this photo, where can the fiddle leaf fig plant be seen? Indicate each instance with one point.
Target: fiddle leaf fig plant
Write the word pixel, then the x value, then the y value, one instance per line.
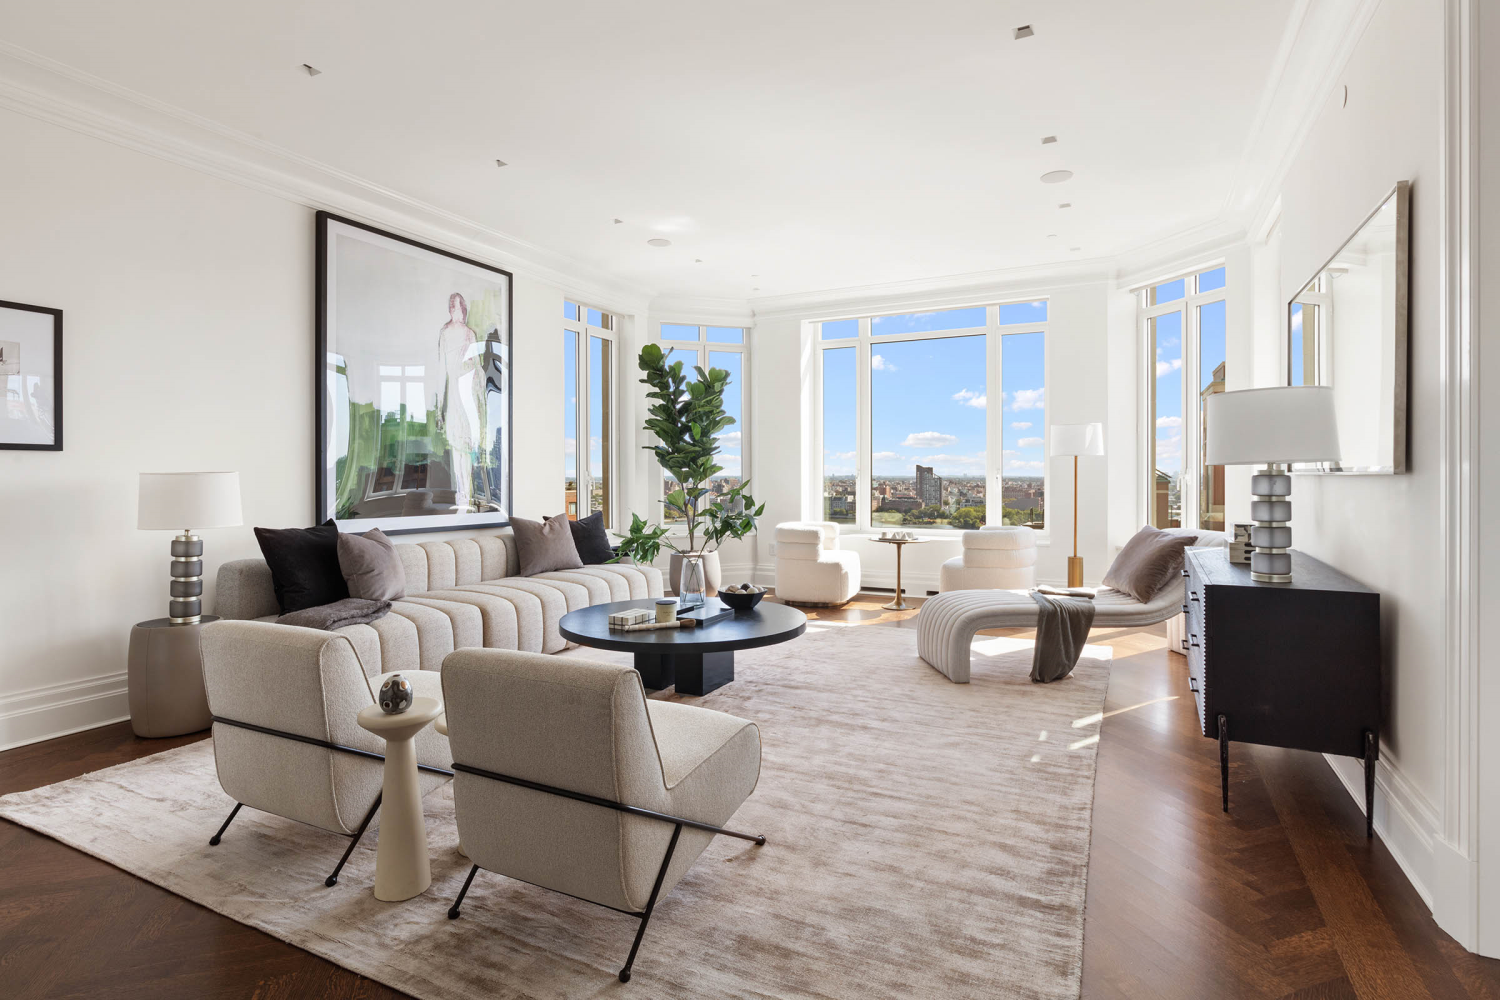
pixel 686 417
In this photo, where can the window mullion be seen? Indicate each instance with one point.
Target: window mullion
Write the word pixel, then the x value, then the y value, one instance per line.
pixel 864 479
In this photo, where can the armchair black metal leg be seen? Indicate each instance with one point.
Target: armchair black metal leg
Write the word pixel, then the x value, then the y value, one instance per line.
pixel 453 910
pixel 1372 751
pixel 640 931
pixel 214 840
pixel 1224 759
pixel 333 879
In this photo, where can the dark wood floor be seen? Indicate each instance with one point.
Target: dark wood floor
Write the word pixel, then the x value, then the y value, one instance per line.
pixel 1283 899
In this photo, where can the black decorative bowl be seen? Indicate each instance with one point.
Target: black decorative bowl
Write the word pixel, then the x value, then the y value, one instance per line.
pixel 742 602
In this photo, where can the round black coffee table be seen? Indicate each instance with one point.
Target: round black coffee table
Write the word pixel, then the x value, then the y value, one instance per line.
pixel 697 660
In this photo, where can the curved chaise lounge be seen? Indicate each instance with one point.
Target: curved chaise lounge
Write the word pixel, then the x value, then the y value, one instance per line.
pixel 947 623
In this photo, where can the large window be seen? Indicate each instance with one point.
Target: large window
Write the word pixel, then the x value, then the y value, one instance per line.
pixel 913 429
pixel 588 385
pixel 1183 321
pixel 720 347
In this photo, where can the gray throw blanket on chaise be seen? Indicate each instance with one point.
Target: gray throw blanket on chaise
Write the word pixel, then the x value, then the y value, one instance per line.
pixel 1062 630
pixel 328 617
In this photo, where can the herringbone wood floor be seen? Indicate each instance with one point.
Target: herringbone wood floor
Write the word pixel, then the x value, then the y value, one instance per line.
pixel 1283 899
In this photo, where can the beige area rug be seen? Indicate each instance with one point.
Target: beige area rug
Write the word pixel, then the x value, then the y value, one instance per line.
pixel 925 839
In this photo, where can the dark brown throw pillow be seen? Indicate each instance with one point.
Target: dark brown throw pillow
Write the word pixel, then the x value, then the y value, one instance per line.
pixel 545 546
pixel 1147 563
pixel 371 567
pixel 590 538
pixel 304 565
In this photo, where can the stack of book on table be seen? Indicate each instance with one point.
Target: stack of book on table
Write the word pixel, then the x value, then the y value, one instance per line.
pixel 631 616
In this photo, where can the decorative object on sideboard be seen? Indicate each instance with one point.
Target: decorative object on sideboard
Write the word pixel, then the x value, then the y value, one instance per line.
pixel 395 695
pixel 188 500
pixel 1075 440
pixel 687 419
pixel 414 411
pixel 1240 545
pixel 1274 427
pixel 31 369
pixel 1348 329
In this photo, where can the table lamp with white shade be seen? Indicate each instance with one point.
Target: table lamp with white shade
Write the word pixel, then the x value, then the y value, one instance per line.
pixel 1272 428
pixel 184 501
pixel 1076 440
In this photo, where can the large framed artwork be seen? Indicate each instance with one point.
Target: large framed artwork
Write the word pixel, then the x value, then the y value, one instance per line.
pixel 414 410
pixel 31 372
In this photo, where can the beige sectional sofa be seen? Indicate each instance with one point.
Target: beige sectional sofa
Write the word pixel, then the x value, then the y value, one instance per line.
pixel 460 593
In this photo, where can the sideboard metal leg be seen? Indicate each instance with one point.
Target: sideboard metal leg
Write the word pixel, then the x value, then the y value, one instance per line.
pixel 1372 752
pixel 1224 759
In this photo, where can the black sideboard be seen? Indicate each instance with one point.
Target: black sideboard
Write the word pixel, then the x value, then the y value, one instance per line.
pixel 1284 664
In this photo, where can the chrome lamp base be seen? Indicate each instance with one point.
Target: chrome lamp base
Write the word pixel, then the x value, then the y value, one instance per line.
pixel 1271 510
pixel 186 588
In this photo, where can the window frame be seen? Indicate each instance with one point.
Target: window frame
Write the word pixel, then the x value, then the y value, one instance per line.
pixel 1192 430
pixel 700 349
pixel 582 330
pixel 866 343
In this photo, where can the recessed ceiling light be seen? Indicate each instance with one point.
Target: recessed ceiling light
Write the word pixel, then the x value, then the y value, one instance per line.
pixel 1024 31
pixel 501 163
pixel 755 289
pixel 658 242
pixel 1074 249
pixel 1051 236
pixel 618 221
pixel 697 260
pixel 1048 139
pixel 1065 204
pixel 312 70
pixel 1057 176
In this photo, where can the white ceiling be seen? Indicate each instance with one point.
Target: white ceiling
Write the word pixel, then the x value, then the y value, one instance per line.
pixel 814 144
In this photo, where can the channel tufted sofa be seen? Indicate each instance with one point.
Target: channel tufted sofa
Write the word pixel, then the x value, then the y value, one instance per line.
pixel 460 593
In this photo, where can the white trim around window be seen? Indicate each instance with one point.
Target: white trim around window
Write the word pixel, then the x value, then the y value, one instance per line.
pixel 593 324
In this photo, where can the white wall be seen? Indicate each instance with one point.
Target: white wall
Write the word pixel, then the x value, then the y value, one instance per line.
pixel 1383 530
pixel 188 344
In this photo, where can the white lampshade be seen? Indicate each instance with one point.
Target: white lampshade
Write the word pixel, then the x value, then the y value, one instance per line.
pixel 1290 423
pixel 1077 439
pixel 181 500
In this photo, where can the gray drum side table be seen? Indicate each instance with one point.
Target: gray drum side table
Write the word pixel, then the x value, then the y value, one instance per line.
pixel 165 673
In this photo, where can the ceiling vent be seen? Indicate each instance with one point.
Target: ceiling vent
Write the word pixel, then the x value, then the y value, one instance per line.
pixel 1048 140
pixel 659 242
pixel 1024 31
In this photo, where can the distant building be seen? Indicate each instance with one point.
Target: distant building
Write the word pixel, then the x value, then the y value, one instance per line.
pixel 929 487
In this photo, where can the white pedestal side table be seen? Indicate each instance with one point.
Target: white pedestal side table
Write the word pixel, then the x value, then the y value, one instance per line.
pixel 402 866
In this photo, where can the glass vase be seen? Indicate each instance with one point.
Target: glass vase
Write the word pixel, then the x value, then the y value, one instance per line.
pixel 693 583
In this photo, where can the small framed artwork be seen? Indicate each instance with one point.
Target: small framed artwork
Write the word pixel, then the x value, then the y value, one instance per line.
pixel 414 415
pixel 31 374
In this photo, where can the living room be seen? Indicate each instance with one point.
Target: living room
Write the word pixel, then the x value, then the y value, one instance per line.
pixel 1036 360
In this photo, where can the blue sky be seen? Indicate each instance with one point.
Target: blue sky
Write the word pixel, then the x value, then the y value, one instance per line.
pixel 1169 361
pixel 929 399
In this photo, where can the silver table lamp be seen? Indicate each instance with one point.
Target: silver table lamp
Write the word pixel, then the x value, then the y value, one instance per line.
pixel 1271 427
pixel 187 500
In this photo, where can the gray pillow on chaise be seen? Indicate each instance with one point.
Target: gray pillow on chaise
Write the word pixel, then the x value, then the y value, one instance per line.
pixel 371 567
pixel 1147 563
pixel 545 546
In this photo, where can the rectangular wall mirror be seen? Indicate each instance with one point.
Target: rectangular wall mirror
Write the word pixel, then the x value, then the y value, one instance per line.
pixel 1347 328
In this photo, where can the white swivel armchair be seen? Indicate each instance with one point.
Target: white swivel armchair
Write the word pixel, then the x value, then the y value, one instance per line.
pixel 285 703
pixel 810 566
pixel 568 778
pixel 999 557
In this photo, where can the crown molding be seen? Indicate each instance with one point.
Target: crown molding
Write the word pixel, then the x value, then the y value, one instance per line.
pixel 694 310
pixel 50 91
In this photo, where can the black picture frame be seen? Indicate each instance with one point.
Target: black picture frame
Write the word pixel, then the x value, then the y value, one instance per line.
pixel 321 508
pixel 57 378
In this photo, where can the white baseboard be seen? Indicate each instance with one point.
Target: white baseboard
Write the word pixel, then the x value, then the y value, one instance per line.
pixel 52 710
pixel 1406 824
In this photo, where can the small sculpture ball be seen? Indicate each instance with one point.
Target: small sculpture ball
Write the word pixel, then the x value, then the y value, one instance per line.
pixel 395 695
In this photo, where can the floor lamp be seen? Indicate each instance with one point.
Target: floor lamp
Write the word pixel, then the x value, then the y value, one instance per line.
pixel 1074 440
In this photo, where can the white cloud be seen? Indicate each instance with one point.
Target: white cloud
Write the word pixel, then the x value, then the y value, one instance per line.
pixel 840 456
pixel 928 439
pixel 730 440
pixel 1030 442
pixel 1022 425
pixel 1029 399
pixel 886 456
pixel 1023 466
pixel 880 364
pixel 1167 367
pixel 1164 422
pixel 946 463
pixel 968 397
pixel 570 446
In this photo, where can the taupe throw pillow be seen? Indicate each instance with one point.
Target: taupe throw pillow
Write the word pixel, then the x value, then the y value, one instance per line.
pixel 371 567
pixel 544 546
pixel 1147 563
